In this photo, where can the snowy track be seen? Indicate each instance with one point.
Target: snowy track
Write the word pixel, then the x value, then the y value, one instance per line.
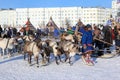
pixel 16 68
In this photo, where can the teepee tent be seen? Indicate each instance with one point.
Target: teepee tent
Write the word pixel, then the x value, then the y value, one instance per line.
pixel 51 25
pixel 29 25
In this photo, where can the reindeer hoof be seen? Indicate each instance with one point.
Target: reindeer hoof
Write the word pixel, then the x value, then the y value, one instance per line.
pixel 71 63
pixel 66 60
pixel 57 63
pixel 30 64
pixel 62 61
pixel 37 66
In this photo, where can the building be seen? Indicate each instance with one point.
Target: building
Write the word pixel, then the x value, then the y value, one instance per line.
pixel 116 9
pixel 95 15
pixel 40 16
pixel 7 17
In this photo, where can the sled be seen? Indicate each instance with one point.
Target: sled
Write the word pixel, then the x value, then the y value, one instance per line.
pixel 87 62
pixel 107 55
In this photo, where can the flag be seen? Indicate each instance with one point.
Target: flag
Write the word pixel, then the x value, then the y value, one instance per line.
pixel 118 1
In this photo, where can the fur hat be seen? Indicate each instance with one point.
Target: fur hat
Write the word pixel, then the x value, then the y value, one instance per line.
pixel 88 25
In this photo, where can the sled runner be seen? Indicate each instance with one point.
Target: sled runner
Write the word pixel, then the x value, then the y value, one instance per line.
pixel 87 61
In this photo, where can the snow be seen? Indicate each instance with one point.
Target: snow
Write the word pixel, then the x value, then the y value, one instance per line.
pixel 15 68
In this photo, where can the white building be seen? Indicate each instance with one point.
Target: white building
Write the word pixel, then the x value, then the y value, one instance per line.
pixel 95 15
pixel 116 9
pixel 41 16
pixel 7 17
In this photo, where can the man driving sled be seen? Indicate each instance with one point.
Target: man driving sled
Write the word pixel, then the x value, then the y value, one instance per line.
pixel 87 47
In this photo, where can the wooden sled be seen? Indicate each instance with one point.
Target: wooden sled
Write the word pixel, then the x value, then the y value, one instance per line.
pixel 86 63
pixel 107 56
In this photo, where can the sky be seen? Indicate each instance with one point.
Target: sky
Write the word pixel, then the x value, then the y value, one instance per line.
pixel 54 3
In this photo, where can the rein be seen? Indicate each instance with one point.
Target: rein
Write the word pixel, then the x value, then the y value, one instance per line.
pixel 7 42
pixel 106 42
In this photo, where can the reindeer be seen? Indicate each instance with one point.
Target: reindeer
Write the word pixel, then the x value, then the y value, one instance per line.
pixel 7 43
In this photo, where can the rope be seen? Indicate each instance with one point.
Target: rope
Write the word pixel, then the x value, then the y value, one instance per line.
pixel 106 42
pixel 7 42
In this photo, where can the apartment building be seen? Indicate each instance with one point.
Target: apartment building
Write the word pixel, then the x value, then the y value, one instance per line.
pixel 40 16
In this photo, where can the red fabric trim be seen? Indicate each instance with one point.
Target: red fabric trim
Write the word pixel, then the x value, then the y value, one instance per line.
pixel 89 44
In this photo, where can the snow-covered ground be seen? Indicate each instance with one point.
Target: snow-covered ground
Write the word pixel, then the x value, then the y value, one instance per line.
pixel 15 68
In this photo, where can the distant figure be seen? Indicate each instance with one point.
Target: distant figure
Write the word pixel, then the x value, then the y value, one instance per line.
pixel 1 30
pixel 73 28
pixel 47 31
pixel 117 36
pixel 62 30
pixel 9 32
pixel 97 33
pixel 22 31
pixel 38 33
pixel 56 33
pixel 14 31
pixel 107 37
